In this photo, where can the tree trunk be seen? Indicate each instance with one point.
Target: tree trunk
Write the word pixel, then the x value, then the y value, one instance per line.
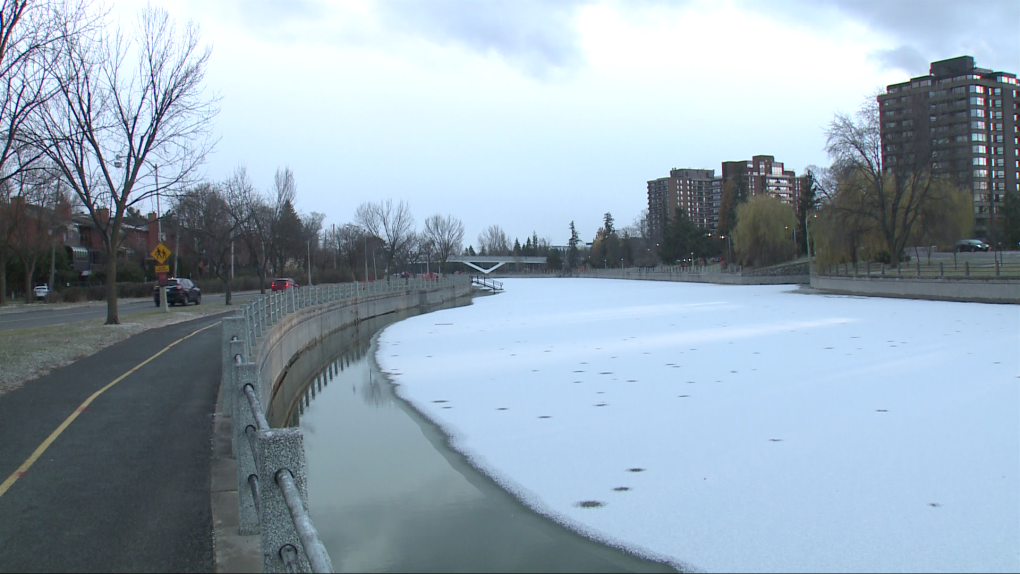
pixel 111 289
pixel 29 272
pixel 229 293
pixel 3 280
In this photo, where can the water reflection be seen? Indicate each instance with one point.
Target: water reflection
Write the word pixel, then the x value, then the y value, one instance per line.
pixel 388 495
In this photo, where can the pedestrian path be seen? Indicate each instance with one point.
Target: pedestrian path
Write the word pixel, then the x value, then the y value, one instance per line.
pixel 105 463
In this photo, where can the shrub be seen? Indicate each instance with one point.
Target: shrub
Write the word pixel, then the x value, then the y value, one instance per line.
pixel 74 295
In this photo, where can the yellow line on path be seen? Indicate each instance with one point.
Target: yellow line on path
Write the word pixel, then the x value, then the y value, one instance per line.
pixel 67 422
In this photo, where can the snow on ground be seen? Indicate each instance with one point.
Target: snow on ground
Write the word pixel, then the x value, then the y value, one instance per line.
pixel 736 428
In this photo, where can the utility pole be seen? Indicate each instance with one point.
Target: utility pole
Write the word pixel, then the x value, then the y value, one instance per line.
pixel 309 263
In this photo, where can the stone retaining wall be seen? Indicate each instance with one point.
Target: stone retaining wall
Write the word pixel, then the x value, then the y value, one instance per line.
pixel 971 290
pixel 298 331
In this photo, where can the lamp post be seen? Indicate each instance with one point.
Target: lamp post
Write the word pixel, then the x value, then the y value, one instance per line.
pixel 807 230
pixel 159 230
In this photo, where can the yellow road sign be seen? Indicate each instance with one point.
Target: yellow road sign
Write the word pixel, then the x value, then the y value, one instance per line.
pixel 160 253
pixel 162 269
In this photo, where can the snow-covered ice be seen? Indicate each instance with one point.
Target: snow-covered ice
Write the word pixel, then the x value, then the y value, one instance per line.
pixel 736 428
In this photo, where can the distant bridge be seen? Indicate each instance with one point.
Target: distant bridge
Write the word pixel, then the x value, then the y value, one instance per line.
pixel 472 261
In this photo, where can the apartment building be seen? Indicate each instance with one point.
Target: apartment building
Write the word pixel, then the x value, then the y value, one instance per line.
pixel 762 174
pixel 963 119
pixel 692 190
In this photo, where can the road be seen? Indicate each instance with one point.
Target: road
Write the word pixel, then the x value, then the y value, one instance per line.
pixel 121 483
pixel 42 315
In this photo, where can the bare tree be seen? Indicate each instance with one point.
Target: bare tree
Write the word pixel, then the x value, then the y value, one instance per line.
pixel 204 211
pixel 892 198
pixel 253 217
pixel 394 224
pixel 350 242
pixel 31 32
pixel 284 221
pixel 37 209
pixel 446 235
pixel 494 241
pixel 149 116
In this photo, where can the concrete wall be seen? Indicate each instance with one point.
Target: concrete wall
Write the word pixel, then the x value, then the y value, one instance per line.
pixel 973 290
pixel 298 331
pixel 720 278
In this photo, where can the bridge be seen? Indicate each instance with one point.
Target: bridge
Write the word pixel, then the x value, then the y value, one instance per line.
pixel 472 261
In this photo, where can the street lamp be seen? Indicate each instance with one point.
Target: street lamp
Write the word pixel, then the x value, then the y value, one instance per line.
pixel 807 230
pixel 117 163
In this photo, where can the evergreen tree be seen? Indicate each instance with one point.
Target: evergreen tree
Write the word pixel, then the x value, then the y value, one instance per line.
pixel 573 254
pixel 808 201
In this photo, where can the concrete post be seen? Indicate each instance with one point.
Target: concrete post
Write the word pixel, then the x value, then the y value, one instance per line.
pixel 234 343
pixel 281 449
pixel 243 417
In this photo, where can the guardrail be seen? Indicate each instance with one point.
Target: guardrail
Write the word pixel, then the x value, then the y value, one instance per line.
pixel 486 283
pixel 272 494
pixel 947 268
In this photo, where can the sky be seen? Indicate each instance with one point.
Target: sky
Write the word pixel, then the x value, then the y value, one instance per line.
pixel 530 114
pixel 735 428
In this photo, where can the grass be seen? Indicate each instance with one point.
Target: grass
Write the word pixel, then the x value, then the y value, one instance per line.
pixel 26 354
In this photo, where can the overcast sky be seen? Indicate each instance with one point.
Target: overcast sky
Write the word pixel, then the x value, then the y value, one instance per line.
pixel 530 114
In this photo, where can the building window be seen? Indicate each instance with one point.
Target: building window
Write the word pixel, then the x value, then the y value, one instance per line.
pixel 977 101
pixel 998 162
pixel 978 137
pixel 996 91
pixel 980 185
pixel 977 89
pixel 996 103
pixel 977 113
pixel 995 127
pixel 980 161
pixel 997 150
pixel 995 115
pixel 979 149
pixel 980 173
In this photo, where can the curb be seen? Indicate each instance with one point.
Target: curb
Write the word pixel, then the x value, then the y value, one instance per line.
pixel 232 552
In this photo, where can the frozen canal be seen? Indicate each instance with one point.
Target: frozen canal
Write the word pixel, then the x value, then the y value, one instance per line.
pixel 729 428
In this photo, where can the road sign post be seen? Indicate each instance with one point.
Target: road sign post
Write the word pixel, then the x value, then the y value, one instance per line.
pixel 161 253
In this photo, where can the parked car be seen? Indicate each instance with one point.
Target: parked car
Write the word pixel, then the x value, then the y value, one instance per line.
pixel 41 291
pixel 972 245
pixel 179 291
pixel 284 283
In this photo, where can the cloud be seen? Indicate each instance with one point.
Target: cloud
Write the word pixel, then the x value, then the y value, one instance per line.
pixel 904 58
pixel 922 31
pixel 538 37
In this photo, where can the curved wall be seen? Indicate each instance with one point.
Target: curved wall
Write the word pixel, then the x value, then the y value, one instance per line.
pixel 300 330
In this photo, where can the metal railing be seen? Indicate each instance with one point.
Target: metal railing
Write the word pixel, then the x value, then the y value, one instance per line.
pixel 277 508
pixel 943 268
pixel 486 283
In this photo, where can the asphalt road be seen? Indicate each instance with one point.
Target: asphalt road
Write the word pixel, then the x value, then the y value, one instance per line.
pixel 125 487
pixel 41 315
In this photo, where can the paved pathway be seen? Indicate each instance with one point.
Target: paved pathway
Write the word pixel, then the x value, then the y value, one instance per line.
pixel 38 315
pixel 125 486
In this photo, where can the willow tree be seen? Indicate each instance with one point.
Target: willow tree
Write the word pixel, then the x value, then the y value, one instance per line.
pixel 129 119
pixel 762 235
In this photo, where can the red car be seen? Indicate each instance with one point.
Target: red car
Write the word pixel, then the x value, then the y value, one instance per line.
pixel 284 284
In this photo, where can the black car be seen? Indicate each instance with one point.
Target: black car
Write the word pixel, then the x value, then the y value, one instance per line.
pixel 971 245
pixel 179 291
